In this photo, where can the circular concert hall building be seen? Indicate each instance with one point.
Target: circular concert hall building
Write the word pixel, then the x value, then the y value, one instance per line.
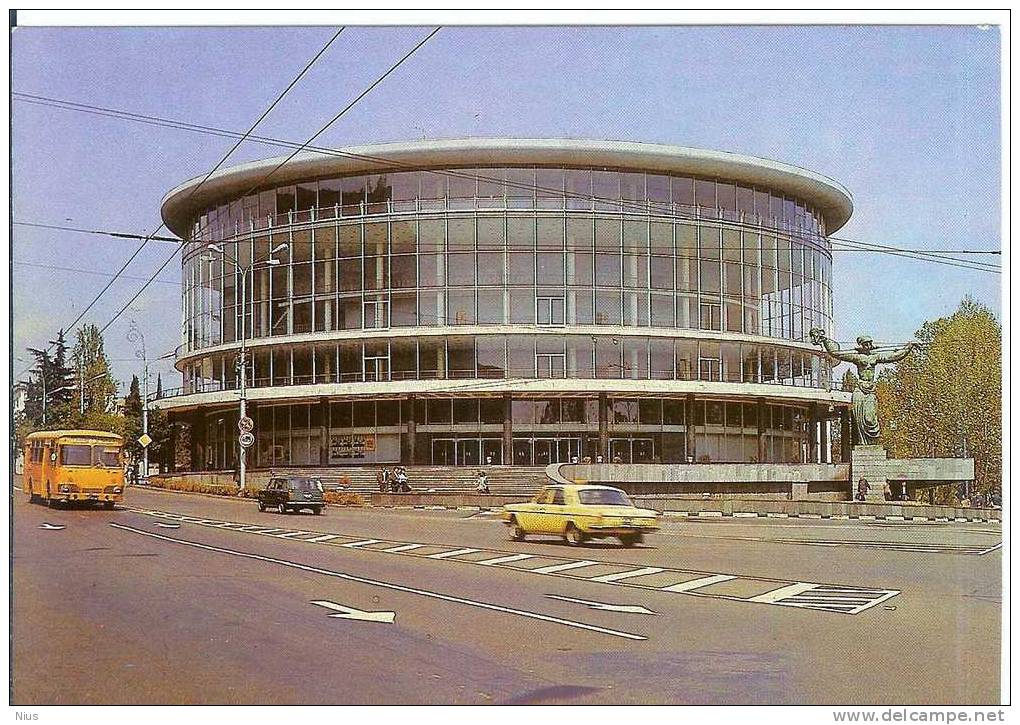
pixel 507 301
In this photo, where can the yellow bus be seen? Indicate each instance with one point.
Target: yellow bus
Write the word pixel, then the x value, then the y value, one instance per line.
pixel 74 465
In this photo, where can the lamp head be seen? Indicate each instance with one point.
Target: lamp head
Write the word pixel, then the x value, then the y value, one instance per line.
pixel 214 247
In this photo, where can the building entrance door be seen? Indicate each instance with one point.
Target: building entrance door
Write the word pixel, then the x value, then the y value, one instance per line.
pixel 548 450
pixel 631 450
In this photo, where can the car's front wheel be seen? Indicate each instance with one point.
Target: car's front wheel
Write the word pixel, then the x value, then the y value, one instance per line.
pixel 281 509
pixel 630 540
pixel 318 510
pixel 517 532
pixel 262 506
pixel 574 536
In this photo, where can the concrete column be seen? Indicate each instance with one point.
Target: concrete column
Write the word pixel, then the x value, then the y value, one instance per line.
pixel 692 453
pixel 827 441
pixel 812 435
pixel 508 431
pixel 324 432
pixel 412 431
pixel 845 439
pixel 761 430
pixel 604 426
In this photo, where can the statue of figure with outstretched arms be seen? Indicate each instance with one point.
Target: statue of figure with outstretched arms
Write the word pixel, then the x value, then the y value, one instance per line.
pixel 864 413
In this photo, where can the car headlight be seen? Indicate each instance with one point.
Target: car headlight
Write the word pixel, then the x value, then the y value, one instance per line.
pixel 116 489
pixel 64 488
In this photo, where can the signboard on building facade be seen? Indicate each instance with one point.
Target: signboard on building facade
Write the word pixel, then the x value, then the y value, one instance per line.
pixel 356 446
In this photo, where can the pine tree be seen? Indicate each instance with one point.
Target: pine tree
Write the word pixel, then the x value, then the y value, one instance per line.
pixel 99 387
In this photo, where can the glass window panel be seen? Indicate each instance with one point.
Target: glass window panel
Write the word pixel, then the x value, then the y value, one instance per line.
pixel 522 268
pixel 490 184
pixel 302 279
pixel 662 311
pixel 549 183
pixel 433 185
pixel 461 235
pixel 461 269
pixel 661 273
pixel 521 357
pixel 491 354
pixel 624 411
pixel 490 268
pixel 579 357
pixel 491 233
pixel 632 187
pixel 403 309
pixel 432 358
pixel 550 268
pixel 521 233
pixel 325 242
pixel 608 358
pixel 578 189
pixel 607 235
pixel 550 233
pixel 522 306
pixel 379 192
pixel 460 307
pixel 520 187
pixel 606 187
pixel 352 195
pixel 431 272
pixel 683 191
pixel 635 358
pixel 403 271
pixel 607 270
pixel 657 188
pixel 440 410
pixel 523 411
pixel 607 307
pixel 579 268
pixel 462 184
pixel 710 277
pixel 686 356
pixel 580 234
pixel 704 192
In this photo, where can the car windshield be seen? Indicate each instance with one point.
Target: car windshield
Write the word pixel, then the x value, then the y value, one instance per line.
pixel 304 484
pixel 109 457
pixel 604 497
pixel 76 455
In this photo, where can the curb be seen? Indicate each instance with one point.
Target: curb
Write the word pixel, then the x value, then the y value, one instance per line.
pixel 834 517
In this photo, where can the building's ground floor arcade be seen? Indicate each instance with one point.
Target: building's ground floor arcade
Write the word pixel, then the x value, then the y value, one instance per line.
pixel 510 429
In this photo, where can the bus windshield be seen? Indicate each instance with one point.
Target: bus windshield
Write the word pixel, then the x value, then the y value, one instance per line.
pixel 109 457
pixel 75 455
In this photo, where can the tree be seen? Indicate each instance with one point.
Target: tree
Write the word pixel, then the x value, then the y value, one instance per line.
pixel 133 420
pixel 948 395
pixel 99 387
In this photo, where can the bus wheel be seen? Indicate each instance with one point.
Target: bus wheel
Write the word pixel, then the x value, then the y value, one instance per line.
pixel 108 505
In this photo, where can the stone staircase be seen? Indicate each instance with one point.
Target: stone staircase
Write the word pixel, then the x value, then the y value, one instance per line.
pixel 509 480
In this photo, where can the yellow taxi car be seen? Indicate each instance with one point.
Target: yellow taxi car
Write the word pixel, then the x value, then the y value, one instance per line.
pixel 580 512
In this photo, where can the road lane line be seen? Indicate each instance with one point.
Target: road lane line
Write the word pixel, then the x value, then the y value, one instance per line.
pixel 990 550
pixel 783 592
pixel 448 554
pixel 389 585
pixel 288 534
pixel 564 567
pixel 356 544
pixel 505 559
pixel 324 537
pixel 269 531
pixel 627 574
pixel 404 547
pixel 697 583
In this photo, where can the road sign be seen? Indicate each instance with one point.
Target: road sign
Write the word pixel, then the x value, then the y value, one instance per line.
pixel 246 440
pixel 245 424
pixel 145 440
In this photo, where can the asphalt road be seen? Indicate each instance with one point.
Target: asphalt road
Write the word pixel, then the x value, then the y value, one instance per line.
pixel 178 599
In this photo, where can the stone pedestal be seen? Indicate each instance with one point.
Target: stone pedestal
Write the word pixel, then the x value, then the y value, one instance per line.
pixel 871 463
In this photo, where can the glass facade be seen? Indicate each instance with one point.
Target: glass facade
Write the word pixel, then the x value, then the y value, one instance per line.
pixel 587 273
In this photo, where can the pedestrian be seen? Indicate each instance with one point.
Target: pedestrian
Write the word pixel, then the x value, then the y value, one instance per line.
pixel 483 483
pixel 573 459
pixel 383 479
pixel 400 484
pixel 488 460
pixel 599 459
pixel 862 489
pixel 617 459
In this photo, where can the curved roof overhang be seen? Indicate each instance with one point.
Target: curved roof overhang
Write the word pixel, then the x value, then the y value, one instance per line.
pixel 192 197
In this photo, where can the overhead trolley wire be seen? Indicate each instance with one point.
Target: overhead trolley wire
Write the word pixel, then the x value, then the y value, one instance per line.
pixel 193 191
pixel 278 166
pixel 936 256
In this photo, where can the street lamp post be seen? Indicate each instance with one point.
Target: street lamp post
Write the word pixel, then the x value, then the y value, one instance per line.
pixel 242 362
pixel 135 334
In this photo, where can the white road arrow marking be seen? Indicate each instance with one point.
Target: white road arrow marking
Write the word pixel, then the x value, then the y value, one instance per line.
pixel 627 608
pixel 49 527
pixel 343 612
pixel 167 526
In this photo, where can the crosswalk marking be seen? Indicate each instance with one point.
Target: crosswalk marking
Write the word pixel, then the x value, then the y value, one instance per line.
pixel 324 537
pixel 563 567
pixel 698 583
pixel 837 598
pixel 448 554
pixel 783 592
pixel 627 574
pixel 505 559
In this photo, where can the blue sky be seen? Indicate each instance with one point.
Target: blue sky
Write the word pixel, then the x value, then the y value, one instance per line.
pixel 907 118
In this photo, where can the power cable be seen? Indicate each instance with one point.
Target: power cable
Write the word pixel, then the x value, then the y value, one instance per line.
pixel 68 105
pixel 195 189
pixel 278 166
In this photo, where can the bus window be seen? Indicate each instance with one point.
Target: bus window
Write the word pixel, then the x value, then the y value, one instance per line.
pixel 109 457
pixel 75 455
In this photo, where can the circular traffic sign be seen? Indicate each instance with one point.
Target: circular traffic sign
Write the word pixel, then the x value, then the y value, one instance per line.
pixel 245 424
pixel 246 440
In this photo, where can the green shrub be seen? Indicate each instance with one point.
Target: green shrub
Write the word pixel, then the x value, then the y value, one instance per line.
pixel 344 498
